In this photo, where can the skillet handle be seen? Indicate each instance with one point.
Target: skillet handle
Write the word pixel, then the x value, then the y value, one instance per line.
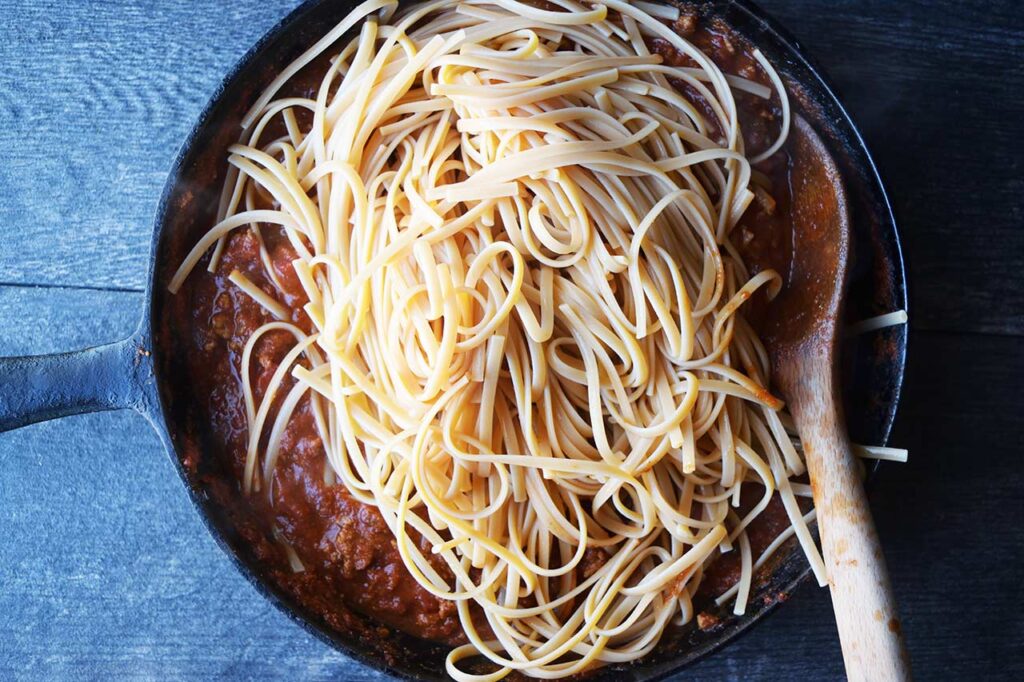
pixel 37 388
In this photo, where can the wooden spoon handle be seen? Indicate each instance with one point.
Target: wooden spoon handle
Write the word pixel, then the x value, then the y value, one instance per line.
pixel 869 628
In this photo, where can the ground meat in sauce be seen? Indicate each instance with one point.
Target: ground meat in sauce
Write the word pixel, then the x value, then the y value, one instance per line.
pixel 346 548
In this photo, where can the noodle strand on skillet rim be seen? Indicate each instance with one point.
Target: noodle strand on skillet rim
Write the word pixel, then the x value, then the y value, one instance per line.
pixel 514 237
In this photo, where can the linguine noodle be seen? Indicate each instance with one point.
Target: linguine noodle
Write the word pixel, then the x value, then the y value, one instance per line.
pixel 522 343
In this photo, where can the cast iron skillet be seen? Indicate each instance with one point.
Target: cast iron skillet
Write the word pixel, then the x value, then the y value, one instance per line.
pixel 143 373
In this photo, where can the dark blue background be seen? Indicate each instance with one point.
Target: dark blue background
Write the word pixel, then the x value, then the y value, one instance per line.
pixel 105 569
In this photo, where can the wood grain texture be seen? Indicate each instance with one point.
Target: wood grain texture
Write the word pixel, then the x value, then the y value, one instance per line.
pixel 95 100
pixel 105 570
pixel 937 90
pixel 866 612
pixel 952 519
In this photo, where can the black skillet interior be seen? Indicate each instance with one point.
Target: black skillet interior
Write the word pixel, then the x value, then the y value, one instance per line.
pixel 873 364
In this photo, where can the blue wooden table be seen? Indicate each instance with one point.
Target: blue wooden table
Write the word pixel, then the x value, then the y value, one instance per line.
pixel 105 569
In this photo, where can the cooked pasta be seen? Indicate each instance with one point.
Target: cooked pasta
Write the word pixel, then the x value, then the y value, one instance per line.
pixel 521 340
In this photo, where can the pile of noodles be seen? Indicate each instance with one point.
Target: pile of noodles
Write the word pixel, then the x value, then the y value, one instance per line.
pixel 514 234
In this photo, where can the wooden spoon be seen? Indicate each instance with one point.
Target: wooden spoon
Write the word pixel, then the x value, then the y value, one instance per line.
pixel 802 337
